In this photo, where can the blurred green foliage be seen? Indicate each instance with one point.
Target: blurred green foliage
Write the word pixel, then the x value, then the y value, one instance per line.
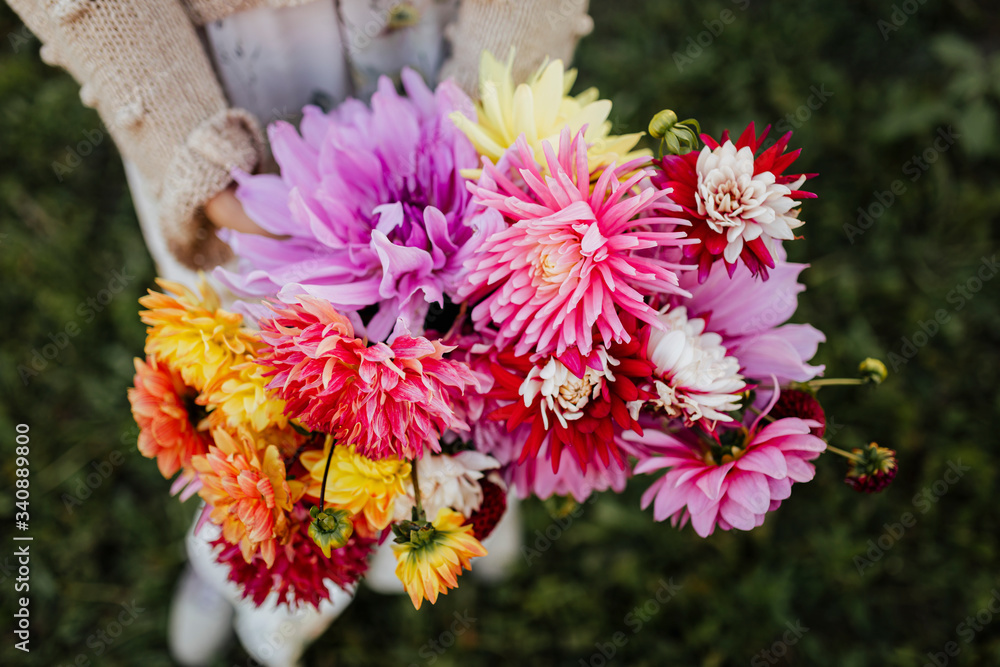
pixel 64 232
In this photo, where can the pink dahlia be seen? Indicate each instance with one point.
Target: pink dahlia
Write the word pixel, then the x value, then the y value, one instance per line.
pixel 570 258
pixel 574 402
pixel 535 477
pixel 370 207
pixel 300 573
pixel 750 314
pixel 731 481
pixel 736 201
pixel 388 400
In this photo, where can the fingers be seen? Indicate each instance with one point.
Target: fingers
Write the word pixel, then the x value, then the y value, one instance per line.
pixel 225 210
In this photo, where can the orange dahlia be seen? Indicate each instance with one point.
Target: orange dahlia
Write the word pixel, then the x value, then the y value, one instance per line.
pixel 245 484
pixel 171 425
pixel 191 333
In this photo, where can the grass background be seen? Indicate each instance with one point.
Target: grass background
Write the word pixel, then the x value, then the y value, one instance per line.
pixel 61 241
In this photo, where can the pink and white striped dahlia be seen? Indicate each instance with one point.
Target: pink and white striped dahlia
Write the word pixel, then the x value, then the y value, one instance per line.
pixel 570 258
pixel 388 400
pixel 695 377
pixel 732 482
pixel 737 202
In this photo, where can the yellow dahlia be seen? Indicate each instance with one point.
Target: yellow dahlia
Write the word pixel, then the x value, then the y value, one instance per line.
pixel 364 487
pixel 245 485
pixel 191 333
pixel 433 556
pixel 540 108
pixel 238 396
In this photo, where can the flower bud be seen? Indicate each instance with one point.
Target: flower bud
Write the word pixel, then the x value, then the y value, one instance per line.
pixel 330 528
pixel 873 371
pixel 874 469
pixel 662 123
pixel 676 137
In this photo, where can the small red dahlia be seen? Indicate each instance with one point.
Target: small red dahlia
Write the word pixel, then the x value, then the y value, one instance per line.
pixel 492 509
pixel 872 470
pixel 801 404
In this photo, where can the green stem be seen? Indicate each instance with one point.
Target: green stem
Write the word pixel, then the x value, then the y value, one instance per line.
pixel 848 455
pixel 416 490
pixel 759 413
pixel 834 381
pixel 326 470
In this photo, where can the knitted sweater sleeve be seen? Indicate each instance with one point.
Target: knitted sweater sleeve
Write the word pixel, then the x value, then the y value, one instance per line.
pixel 145 71
pixel 537 29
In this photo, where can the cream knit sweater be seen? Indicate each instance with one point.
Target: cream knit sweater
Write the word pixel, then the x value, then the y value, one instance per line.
pixel 143 67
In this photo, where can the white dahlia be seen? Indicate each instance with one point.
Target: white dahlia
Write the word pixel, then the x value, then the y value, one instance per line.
pixel 695 378
pixel 447 481
pixel 741 204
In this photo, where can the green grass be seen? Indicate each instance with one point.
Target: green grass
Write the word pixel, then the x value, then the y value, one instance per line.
pixel 61 241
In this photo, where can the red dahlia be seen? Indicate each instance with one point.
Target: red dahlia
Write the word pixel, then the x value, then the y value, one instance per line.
pixel 801 404
pixel 300 570
pixel 738 202
pixel 575 402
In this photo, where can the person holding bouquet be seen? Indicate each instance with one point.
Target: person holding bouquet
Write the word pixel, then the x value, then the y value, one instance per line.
pixel 184 88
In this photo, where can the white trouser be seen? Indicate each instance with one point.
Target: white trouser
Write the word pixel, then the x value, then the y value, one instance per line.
pixel 273 634
pixel 277 635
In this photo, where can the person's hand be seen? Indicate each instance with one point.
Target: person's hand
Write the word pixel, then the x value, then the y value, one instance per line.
pixel 225 210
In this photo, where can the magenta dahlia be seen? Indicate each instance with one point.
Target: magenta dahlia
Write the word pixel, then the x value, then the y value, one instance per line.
pixel 570 259
pixel 737 201
pixel 388 400
pixel 370 209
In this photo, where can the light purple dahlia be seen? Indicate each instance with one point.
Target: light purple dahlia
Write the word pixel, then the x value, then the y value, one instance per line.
pixel 374 214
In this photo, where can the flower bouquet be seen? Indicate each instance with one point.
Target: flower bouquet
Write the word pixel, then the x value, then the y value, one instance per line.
pixel 459 300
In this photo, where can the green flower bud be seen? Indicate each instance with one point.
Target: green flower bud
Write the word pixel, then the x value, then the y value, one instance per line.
pixel 676 137
pixel 403 15
pixel 662 123
pixel 873 371
pixel 413 532
pixel 330 528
